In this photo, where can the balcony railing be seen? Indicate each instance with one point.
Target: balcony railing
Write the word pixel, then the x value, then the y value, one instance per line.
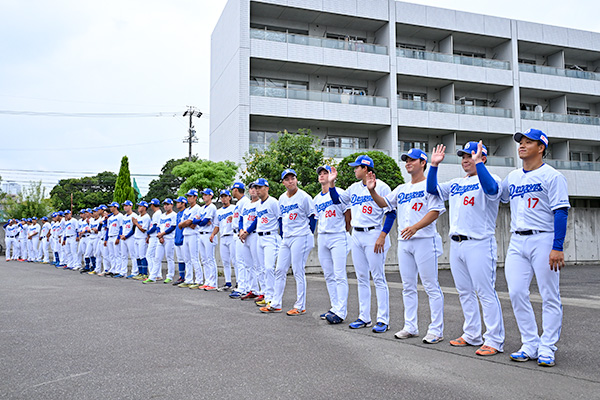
pixel 350 45
pixel 492 161
pixel 569 73
pixel 454 108
pixel 341 152
pixel 453 59
pixel 566 118
pixel 574 165
pixel 315 95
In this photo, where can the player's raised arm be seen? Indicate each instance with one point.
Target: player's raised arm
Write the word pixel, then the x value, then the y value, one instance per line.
pixel 371 184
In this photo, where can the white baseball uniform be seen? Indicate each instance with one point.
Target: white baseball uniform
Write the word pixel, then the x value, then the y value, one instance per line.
pixel 128 246
pixel 240 271
pixel 140 242
pixel 249 248
pixel 167 248
pixel 84 239
pixel 418 255
pixel 534 196
pixel 190 247
pixel 115 224
pixel 154 265
pixel 207 248
pixel 11 242
pixel 367 223
pixel 334 245
pixel 34 229
pixel 70 231
pixel 23 240
pixel 44 256
pixel 226 240
pixel 298 241
pixel 267 229
pixel 473 257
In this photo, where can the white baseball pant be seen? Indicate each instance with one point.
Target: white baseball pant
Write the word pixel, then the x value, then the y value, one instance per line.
pixel 267 249
pixel 167 249
pixel 293 250
pixel 207 256
pixel 333 252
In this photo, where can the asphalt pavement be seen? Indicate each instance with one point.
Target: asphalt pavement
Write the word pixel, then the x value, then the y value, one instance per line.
pixel 65 335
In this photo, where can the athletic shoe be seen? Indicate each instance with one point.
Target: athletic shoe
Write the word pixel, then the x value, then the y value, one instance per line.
pixel 102 274
pixel 248 296
pixel 92 273
pixel 138 277
pixel 259 298
pixel 520 356
pixel 235 295
pixel 110 274
pixel 269 309
pixel 149 281
pixel 178 281
pixel 261 303
pixel 187 285
pixel 334 319
pixel 404 334
pixel 194 286
pixel 294 311
pixel 159 278
pixel 359 323
pixel 130 276
pixel 486 351
pixel 324 315
pixel 460 342
pixel 168 280
pixel 119 276
pixel 546 361
pixel 209 288
pixel 430 338
pixel 225 288
pixel 380 327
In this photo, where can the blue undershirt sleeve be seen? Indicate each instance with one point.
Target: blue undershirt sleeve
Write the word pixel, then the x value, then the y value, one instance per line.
pixel 335 197
pixel 5 225
pixel 120 231
pixel 106 235
pixel 200 222
pixel 390 217
pixel 152 230
pixel 130 234
pixel 171 229
pixel 252 226
pixel 280 227
pixel 312 223
pixel 432 180
pixel 488 183
pixel 560 228
pixel 240 223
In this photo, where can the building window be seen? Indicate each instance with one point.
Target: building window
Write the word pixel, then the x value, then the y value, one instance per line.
pixel 528 107
pixel 345 142
pixel 278 29
pixel 466 101
pixel 526 61
pixel 260 140
pixel 278 83
pixel 356 91
pixel 576 67
pixel 581 156
pixel 405 146
pixel 469 54
pixel 578 111
pixel 354 39
pixel 407 46
pixel 413 96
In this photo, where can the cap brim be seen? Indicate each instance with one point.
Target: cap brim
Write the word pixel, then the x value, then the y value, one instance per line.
pixel 354 164
pixel 518 136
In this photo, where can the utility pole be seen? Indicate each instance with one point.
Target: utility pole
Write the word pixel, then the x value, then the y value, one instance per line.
pixel 191 138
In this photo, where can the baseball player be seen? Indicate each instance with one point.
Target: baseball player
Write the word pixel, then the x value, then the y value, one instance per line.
pixel 33 237
pixel 103 234
pixel 166 239
pixel 237 191
pixel 267 224
pixel 333 245
pixel 83 235
pixel 249 250
pixel 539 206
pixel 142 224
pixel 224 226
pixel 93 249
pixel 154 270
pixel 181 204
pixel 59 256
pixel 419 245
pixel 112 240
pixel 205 222
pixel 473 201
pixel 370 241
pixel 24 227
pixel 190 241
pixel 69 242
pixel 11 241
pixel 128 247
pixel 298 225
pixel 44 255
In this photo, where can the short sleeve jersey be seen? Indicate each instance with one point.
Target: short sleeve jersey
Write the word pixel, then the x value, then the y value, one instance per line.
pixel 365 212
pixel 267 214
pixel 208 212
pixel 295 213
pixel 191 213
pixel 144 221
pixel 225 220
pixel 331 216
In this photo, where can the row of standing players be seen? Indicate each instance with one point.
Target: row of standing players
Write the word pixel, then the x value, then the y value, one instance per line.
pixel 262 237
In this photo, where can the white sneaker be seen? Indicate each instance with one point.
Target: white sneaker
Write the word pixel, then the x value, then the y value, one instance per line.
pixel 432 339
pixel 404 334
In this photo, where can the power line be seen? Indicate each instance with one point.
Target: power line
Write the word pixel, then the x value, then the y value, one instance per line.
pixel 64 172
pixel 89 115
pixel 89 148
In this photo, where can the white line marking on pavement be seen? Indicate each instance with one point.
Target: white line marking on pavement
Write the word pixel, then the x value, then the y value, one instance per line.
pixel 60 379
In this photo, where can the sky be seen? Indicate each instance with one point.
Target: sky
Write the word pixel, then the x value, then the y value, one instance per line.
pixel 148 59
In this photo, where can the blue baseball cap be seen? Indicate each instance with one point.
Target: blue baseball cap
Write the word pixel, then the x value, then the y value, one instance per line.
pixel 323 167
pixel 533 134
pixel 167 201
pixel 102 207
pixel 415 154
pixel 67 212
pixel 471 147
pixel 154 202
pixel 192 192
pixel 127 203
pixel 287 172
pixel 89 210
pixel 61 213
pixel 225 192
pixel 261 182
pixel 44 218
pixel 54 214
pixel 238 185
pixel 28 220
pixel 82 211
pixel 143 204
pixel 34 218
pixel 208 192
pixel 364 161
pixel 114 204
pixel 181 199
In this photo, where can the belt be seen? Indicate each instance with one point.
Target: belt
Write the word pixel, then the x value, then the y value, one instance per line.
pixel 236 231
pixel 370 228
pixel 12 237
pixel 266 233
pixel 204 233
pixel 86 235
pixel 229 234
pixel 459 238
pixel 528 233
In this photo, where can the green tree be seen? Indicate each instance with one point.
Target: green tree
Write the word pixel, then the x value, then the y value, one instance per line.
pixel 87 192
pixel 203 174
pixel 300 151
pixel 167 183
pixel 123 189
pixel 31 202
pixel 386 169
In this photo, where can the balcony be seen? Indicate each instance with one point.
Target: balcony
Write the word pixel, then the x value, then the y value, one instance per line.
pixel 453 59
pixel 454 108
pixel 492 161
pixel 565 118
pixel 574 165
pixel 341 152
pixel 569 73
pixel 349 45
pixel 314 95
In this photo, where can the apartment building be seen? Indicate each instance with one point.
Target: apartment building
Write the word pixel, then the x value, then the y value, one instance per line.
pixel 387 75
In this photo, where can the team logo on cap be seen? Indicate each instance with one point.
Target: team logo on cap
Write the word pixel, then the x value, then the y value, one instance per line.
pixel 544 139
pixel 365 162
